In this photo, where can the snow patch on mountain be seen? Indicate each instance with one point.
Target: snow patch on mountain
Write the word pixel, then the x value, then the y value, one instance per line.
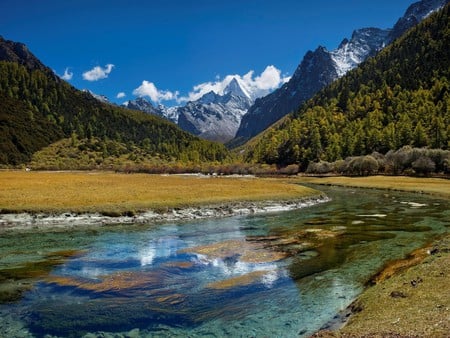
pixel 321 67
pixel 236 89
pixel 216 117
pixel 169 113
pixel 364 43
pixel 101 98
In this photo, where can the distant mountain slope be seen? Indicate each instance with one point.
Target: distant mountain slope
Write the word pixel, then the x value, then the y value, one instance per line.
pixel 38 108
pixel 142 104
pixel 400 97
pixel 19 138
pixel 17 52
pixel 213 116
pixel 216 117
pixel 322 67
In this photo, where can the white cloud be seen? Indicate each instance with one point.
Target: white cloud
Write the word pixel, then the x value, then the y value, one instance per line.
pixel 269 79
pixel 149 89
pixel 67 75
pixel 256 86
pixel 120 95
pixel 261 85
pixel 98 73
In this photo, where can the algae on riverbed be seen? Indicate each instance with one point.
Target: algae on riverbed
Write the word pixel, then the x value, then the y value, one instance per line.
pixel 161 282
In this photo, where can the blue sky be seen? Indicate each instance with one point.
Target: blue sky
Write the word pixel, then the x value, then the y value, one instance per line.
pixel 173 50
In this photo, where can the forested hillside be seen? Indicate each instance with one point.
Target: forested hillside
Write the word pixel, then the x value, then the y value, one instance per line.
pixel 37 108
pixel 400 97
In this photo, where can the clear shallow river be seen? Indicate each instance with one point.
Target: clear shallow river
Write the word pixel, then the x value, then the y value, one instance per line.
pixel 282 274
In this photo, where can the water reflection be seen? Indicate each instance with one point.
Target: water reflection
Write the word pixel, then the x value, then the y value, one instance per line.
pixel 264 275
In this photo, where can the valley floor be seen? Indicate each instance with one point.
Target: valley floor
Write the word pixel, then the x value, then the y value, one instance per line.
pixel 124 193
pixel 413 302
pixel 40 199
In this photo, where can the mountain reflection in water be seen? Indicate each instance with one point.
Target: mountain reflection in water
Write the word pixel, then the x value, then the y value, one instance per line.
pixel 277 274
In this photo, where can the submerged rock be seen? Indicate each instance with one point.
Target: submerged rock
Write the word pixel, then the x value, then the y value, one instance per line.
pixel 243 280
pixel 398 294
pixel 245 251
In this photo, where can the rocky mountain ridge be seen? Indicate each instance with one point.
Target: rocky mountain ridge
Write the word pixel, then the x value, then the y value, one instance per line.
pixel 216 117
pixel 19 53
pixel 321 67
pixel 213 116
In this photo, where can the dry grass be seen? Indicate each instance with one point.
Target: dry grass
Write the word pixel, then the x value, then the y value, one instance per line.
pixel 119 193
pixel 434 186
pixel 422 310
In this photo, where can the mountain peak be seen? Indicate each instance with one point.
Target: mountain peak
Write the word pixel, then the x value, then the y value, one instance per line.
pixel 236 89
pixel 207 98
pixel 321 67
pixel 18 52
pixel 142 101
pixel 416 13
pixel 141 104
pixel 101 98
pixel 364 42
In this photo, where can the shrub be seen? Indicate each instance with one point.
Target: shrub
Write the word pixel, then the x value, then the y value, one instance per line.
pixel 291 169
pixel 321 167
pixel 369 165
pixel 424 165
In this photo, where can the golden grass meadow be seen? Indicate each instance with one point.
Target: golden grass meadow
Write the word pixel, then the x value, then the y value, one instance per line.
pixel 80 192
pixel 434 186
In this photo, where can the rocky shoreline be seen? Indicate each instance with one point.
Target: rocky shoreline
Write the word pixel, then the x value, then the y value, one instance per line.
pixel 25 221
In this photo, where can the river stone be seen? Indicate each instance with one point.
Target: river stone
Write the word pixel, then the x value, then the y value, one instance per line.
pixel 398 294
pixel 133 333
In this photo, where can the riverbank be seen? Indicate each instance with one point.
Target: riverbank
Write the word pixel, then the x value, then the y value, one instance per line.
pixel 51 199
pixel 433 186
pixel 410 297
pixel 414 302
pixel 65 220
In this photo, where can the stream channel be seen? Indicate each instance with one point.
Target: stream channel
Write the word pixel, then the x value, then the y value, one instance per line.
pixel 282 274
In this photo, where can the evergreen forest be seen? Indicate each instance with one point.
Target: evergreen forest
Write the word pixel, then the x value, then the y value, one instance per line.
pixel 37 109
pixel 391 114
pixel 399 98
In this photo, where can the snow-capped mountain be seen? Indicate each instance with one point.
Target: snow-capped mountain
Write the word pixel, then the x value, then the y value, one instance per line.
pixel 101 98
pixel 213 116
pixel 414 14
pixel 216 117
pixel 364 43
pixel 170 113
pixel 321 67
pixel 236 89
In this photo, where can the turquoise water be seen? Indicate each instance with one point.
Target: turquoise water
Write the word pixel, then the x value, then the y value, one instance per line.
pixel 282 274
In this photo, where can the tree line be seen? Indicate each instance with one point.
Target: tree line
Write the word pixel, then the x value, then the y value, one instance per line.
pixel 399 98
pixel 37 108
